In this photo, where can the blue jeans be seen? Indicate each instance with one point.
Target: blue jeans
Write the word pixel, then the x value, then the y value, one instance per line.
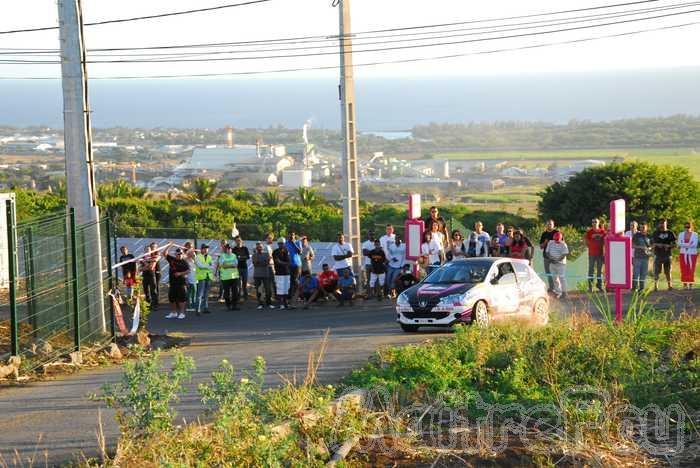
pixel 391 276
pixel 640 269
pixel 191 296
pixel 203 287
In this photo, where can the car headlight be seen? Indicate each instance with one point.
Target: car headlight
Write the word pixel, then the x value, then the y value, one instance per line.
pixel 456 299
pixel 402 300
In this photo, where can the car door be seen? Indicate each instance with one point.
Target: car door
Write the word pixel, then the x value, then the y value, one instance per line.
pixel 523 275
pixel 505 292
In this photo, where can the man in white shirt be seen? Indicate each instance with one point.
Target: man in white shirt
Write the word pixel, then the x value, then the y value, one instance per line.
pixel 634 228
pixel 387 238
pixel 385 241
pixel 342 254
pixel 367 247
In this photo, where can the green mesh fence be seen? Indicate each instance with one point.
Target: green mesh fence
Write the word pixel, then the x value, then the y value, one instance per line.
pixel 61 281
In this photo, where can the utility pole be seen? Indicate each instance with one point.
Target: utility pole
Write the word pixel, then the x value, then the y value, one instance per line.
pixel 351 190
pixel 77 131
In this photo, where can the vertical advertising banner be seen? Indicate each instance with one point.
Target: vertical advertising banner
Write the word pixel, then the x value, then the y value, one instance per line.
pixel 4 253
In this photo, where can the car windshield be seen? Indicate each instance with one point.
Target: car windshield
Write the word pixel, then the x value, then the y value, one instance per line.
pixel 464 271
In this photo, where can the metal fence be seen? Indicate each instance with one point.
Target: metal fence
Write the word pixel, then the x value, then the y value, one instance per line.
pixel 60 275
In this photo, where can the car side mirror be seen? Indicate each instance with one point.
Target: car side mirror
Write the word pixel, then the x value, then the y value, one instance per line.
pixel 494 280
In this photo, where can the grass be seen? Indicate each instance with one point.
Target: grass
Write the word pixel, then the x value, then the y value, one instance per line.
pixel 685 157
pixel 585 381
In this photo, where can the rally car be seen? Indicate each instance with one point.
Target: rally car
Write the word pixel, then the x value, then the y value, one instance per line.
pixel 475 290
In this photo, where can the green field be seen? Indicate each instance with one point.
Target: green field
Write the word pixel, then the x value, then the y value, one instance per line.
pixel 686 157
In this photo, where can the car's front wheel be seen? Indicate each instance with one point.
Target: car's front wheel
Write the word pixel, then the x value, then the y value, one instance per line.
pixel 409 328
pixel 540 312
pixel 481 314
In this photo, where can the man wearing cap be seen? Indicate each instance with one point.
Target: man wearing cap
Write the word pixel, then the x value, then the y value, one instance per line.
pixel 177 294
pixel 282 262
pixel 204 269
pixel 263 274
pixel 227 269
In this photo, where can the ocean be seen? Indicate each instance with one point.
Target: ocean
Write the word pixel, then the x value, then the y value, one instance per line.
pixel 383 105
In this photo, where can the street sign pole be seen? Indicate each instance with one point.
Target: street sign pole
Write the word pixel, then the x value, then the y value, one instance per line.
pixel 618 256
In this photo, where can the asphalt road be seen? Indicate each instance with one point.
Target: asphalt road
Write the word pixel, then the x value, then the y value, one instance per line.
pixel 54 420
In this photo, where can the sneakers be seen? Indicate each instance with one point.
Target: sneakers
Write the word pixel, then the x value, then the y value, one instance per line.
pixel 222 300
pixel 181 316
pixel 171 315
pixel 260 307
pixel 270 306
pixel 282 307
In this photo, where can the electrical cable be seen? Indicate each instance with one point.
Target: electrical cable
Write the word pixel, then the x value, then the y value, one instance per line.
pixel 377 63
pixel 146 17
pixel 383 49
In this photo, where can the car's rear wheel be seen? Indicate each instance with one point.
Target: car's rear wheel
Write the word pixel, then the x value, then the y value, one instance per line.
pixel 540 312
pixel 409 328
pixel 481 314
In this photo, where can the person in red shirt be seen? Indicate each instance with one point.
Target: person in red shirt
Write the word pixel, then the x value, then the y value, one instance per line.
pixel 595 239
pixel 328 280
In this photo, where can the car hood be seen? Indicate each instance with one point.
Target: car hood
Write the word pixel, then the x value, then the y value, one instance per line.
pixel 428 290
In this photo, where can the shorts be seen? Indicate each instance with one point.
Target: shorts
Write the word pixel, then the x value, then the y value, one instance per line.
pixel 282 284
pixel 177 293
pixel 375 278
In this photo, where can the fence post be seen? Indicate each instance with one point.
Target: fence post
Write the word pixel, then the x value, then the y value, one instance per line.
pixel 31 274
pixel 12 263
pixel 74 283
pixel 108 226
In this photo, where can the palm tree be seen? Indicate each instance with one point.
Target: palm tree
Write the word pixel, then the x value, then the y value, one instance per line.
pixel 119 189
pixel 243 195
pixel 308 197
pixel 272 198
pixel 202 190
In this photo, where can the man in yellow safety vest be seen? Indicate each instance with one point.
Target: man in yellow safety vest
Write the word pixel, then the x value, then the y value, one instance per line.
pixel 204 272
pixel 227 268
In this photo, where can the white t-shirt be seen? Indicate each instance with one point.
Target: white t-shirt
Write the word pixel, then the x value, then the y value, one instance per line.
pixel 385 240
pixel 630 234
pixel 440 239
pixel 367 245
pixel 343 249
pixel 398 253
pixel 431 250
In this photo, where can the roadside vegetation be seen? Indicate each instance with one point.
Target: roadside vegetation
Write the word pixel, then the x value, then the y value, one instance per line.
pixel 577 392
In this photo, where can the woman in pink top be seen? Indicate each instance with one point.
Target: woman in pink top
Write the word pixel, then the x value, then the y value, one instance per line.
pixel 688 244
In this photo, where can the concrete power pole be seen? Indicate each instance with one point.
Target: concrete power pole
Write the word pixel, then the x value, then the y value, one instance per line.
pixel 351 190
pixel 80 179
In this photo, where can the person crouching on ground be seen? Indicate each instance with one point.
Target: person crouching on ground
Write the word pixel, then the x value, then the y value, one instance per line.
pixel 308 288
pixel 405 280
pixel 328 280
pixel 347 288
pixel 557 250
pixel 177 293
pixel 282 263
pixel 227 268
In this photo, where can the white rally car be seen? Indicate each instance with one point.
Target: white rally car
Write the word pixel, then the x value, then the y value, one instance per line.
pixel 474 290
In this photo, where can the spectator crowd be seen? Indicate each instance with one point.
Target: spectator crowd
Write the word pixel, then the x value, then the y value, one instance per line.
pixel 282 269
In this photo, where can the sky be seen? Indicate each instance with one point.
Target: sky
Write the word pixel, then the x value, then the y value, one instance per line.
pixel 292 18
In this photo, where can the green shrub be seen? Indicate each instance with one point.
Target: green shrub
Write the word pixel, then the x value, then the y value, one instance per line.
pixel 142 399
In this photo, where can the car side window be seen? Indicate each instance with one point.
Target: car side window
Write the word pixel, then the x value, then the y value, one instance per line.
pixel 522 272
pixel 506 274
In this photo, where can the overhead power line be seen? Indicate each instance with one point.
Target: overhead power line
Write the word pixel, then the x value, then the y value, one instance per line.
pixel 382 62
pixel 145 17
pixel 363 41
pixel 356 51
